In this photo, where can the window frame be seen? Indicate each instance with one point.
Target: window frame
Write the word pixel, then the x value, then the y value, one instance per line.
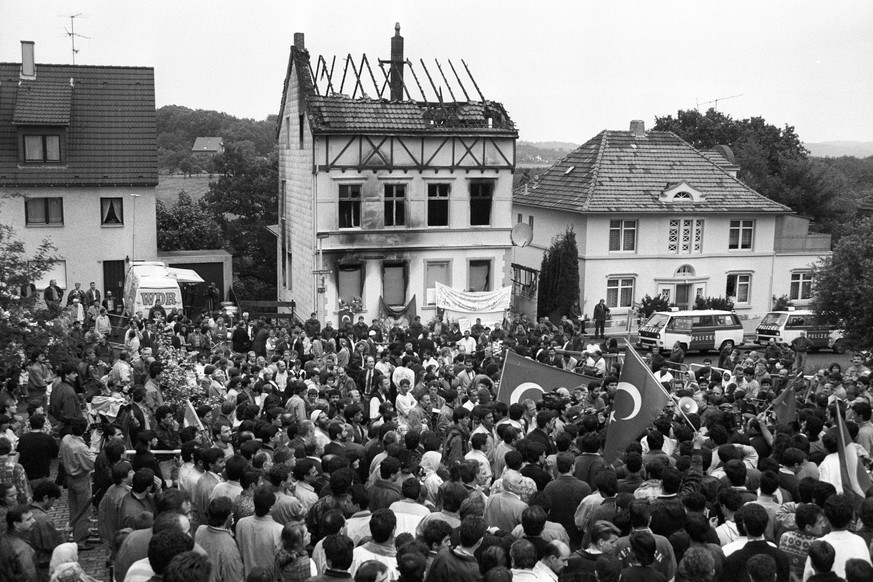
pixel 741 226
pixel 43 135
pixel 349 199
pixel 475 188
pixel 805 279
pixel 448 283
pixel 622 229
pixel 525 281
pixel 617 284
pixel 685 236
pixel 480 261
pixel 737 285
pixel 28 219
pixel 104 211
pixel 435 195
pixel 391 199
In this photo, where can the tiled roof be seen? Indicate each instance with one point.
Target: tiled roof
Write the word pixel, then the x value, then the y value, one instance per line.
pixel 342 114
pixel 110 139
pixel 42 103
pixel 207 144
pixel 616 171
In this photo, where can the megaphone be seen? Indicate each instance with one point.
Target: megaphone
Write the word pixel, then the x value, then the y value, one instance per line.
pixel 688 405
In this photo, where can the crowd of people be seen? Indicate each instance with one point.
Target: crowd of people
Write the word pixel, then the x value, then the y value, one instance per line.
pixel 381 453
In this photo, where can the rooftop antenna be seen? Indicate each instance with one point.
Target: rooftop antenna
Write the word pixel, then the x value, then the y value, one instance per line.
pixel 73 34
pixel 715 101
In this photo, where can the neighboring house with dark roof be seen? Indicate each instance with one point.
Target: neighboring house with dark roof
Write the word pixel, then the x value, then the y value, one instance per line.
pixel 78 166
pixel 209 146
pixel 653 215
pixel 383 196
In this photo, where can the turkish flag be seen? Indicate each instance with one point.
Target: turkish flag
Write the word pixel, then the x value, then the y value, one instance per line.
pixel 525 378
pixel 639 400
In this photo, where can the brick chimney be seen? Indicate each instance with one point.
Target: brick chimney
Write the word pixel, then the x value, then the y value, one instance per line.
pixel 28 61
pixel 638 128
pixel 397 65
pixel 298 41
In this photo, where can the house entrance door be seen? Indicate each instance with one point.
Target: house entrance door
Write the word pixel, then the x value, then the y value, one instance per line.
pixel 683 296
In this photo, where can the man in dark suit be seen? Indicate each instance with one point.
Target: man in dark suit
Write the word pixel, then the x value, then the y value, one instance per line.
pixel 369 377
pixel 240 338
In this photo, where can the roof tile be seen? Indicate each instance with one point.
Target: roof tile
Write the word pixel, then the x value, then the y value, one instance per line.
pixel 110 136
pixel 616 171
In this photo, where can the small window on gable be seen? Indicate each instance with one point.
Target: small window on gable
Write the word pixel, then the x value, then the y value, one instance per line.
pixel 681 192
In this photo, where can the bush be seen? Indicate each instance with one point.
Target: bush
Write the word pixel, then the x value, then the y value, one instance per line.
pixel 650 305
pixel 719 303
pixel 782 304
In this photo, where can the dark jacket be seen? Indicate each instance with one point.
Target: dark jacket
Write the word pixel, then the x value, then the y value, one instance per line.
pixel 383 494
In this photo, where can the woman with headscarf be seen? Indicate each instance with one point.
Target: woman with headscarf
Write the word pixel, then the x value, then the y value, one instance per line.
pixel 64 566
pixel 430 464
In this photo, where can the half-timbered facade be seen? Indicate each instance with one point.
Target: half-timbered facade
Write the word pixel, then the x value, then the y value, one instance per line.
pixel 380 198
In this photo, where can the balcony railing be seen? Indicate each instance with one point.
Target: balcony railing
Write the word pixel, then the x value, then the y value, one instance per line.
pixel 810 243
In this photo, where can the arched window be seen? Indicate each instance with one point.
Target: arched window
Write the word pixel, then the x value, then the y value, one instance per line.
pixel 685 271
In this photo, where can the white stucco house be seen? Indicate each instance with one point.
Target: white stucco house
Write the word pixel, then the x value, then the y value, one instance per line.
pixel 653 215
pixel 78 166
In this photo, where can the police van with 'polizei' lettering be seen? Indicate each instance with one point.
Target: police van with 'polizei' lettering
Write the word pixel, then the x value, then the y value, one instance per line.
pixel 703 330
pixel 785 326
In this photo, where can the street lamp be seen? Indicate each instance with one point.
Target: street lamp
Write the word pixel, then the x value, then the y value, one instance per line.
pixel 133 250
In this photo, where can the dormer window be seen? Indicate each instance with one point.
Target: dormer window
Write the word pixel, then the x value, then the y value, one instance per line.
pixel 42 148
pixel 681 192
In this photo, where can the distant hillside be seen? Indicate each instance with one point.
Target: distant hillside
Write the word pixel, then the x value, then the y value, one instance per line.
pixel 835 149
pixel 179 126
pixel 543 153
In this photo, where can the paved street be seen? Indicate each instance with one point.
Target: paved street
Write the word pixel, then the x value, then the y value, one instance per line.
pixel 92 561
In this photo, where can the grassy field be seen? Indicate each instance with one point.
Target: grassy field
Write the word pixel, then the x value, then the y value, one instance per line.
pixel 169 186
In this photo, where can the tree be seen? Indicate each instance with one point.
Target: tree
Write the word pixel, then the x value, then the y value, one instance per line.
pixel 559 277
pixel 843 285
pixel 25 330
pixel 187 226
pixel 244 201
pixel 772 161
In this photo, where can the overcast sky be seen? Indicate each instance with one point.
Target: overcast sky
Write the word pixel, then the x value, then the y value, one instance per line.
pixel 564 70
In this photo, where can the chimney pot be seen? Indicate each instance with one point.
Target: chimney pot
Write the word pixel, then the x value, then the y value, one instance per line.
pixel 298 41
pixel 28 60
pixel 638 127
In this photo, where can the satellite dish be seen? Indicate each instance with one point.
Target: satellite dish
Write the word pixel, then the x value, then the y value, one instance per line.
pixel 521 235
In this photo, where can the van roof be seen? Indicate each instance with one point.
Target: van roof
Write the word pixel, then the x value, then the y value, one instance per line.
pixel 695 312
pixel 795 312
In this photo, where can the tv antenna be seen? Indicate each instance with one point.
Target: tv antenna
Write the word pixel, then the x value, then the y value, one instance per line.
pixel 73 34
pixel 715 101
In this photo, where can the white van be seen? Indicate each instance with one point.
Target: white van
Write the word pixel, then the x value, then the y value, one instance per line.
pixel 787 325
pixel 147 281
pixel 702 330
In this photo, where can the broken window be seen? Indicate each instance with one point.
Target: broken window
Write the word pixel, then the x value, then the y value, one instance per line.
pixel 437 204
pixel 481 195
pixel 350 205
pixel 395 205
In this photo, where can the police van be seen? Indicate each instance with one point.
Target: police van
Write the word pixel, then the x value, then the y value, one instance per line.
pixel 787 325
pixel 702 330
